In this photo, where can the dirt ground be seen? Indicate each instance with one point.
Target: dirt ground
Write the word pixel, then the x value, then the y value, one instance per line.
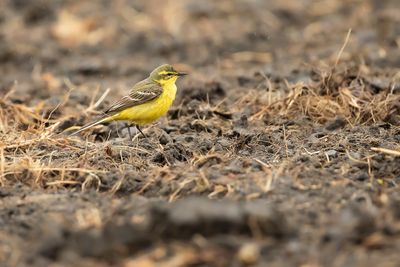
pixel 281 149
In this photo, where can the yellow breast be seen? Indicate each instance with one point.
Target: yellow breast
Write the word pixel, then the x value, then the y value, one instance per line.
pixel 152 110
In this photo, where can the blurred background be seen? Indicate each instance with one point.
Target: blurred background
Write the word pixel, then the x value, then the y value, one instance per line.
pixel 115 43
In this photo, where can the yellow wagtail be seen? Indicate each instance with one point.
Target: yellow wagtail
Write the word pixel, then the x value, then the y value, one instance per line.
pixel 147 101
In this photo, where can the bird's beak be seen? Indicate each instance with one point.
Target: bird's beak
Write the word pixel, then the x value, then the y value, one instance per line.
pixel 182 73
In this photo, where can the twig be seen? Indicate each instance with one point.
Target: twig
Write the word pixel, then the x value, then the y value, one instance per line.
pixel 62 182
pixel 395 153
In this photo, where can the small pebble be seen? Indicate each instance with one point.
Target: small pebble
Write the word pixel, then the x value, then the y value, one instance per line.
pixel 249 253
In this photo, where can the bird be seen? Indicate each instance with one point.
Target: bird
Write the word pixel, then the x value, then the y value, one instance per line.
pixel 147 101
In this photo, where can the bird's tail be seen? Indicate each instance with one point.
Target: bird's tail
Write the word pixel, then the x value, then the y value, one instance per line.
pixel 89 125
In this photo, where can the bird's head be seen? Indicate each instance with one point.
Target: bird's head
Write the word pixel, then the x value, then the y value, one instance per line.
pixel 165 74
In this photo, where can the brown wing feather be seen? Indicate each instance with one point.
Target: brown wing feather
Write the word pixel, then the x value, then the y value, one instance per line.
pixel 140 94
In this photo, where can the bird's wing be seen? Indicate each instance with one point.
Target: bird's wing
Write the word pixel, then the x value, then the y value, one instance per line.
pixel 140 94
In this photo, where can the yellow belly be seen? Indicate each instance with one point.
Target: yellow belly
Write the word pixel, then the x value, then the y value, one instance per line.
pixel 150 111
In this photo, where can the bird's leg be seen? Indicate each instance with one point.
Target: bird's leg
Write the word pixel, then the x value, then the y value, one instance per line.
pixel 129 130
pixel 138 128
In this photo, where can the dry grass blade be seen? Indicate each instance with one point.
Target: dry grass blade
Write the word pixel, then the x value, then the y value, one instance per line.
pixel 2 166
pixel 342 48
pixel 391 152
pixel 93 105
